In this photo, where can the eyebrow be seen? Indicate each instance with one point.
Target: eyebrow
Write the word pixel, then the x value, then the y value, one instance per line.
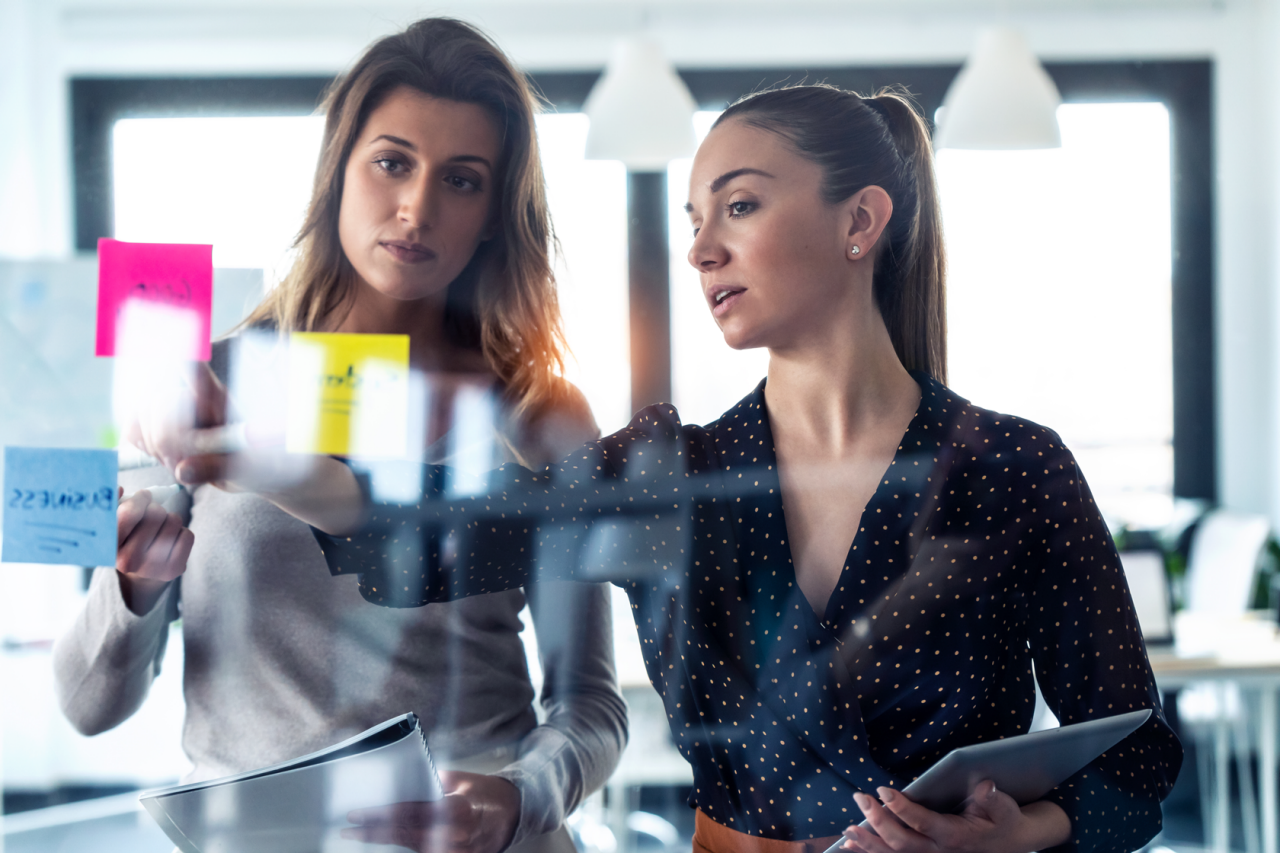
pixel 461 158
pixel 719 182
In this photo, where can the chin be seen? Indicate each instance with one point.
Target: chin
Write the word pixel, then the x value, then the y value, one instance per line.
pixel 409 291
pixel 739 340
pixel 740 336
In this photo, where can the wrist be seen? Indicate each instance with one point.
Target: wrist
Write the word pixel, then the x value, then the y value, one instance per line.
pixel 1044 825
pixel 140 594
pixel 510 799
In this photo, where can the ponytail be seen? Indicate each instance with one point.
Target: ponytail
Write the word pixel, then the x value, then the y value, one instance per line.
pixel 881 141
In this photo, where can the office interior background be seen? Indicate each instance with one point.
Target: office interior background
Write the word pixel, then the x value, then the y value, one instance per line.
pixel 1123 289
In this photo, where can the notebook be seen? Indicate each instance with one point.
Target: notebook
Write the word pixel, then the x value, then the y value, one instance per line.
pixel 1026 767
pixel 300 806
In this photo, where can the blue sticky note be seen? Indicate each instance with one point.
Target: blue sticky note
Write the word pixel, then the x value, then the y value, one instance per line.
pixel 59 506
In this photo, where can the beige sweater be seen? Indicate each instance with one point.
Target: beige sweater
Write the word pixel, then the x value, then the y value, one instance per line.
pixel 281 659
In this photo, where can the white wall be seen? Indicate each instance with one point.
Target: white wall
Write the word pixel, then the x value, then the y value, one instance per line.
pixel 43 42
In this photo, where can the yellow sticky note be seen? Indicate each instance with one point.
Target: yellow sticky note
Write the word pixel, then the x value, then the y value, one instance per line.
pixel 348 394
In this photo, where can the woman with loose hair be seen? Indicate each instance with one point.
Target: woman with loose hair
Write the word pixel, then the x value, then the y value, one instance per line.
pixel 501 303
pixel 853 570
pixel 428 219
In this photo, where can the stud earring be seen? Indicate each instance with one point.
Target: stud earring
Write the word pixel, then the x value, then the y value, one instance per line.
pixel 855 250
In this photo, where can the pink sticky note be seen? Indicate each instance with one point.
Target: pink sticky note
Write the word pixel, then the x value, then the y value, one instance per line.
pixel 157 291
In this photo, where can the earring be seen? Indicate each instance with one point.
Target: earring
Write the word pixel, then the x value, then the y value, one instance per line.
pixel 855 250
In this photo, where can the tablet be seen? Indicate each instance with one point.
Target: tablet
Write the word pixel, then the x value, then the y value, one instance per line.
pixel 1026 767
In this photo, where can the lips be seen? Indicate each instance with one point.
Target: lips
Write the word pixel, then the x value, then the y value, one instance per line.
pixel 721 298
pixel 407 252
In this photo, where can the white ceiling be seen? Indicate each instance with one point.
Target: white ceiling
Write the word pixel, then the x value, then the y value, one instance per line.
pixel 301 36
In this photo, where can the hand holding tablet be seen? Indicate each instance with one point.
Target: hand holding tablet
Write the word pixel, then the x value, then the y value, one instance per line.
pixel 1017 771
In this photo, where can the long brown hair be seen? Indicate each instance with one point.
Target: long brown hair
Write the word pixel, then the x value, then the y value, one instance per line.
pixel 504 303
pixel 879 141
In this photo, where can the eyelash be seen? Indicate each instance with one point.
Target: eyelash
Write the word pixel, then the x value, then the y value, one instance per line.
pixel 729 208
pixel 394 166
pixel 472 185
pixel 381 163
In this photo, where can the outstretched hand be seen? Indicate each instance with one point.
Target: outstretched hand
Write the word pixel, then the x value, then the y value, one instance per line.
pixel 186 423
pixel 152 549
pixel 176 406
pixel 478 814
pixel 992 822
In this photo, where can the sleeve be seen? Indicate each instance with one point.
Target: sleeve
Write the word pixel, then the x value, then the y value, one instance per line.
pixel 613 509
pixel 1091 662
pixel 105 663
pixel 576 749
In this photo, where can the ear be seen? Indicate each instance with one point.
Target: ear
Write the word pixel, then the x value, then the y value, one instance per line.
pixel 867 211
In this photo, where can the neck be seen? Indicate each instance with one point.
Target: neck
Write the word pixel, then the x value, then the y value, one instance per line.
pixel 838 383
pixel 372 313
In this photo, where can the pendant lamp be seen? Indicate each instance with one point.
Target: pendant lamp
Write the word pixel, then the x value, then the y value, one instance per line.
pixel 1002 99
pixel 641 112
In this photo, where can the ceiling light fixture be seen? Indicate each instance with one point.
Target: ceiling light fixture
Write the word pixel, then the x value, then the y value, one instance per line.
pixel 1002 99
pixel 641 111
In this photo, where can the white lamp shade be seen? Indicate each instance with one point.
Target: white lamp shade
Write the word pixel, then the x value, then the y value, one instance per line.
pixel 1002 99
pixel 641 112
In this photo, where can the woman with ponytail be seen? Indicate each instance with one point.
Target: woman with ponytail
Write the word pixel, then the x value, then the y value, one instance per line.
pixel 813 662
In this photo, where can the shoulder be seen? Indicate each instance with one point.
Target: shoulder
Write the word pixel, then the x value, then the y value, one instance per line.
pixel 993 439
pixel 659 422
pixel 561 423
pixel 748 415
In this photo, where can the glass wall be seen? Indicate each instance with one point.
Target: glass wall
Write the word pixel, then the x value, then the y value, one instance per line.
pixel 1059 309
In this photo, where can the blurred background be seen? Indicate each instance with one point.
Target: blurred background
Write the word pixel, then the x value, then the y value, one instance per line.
pixel 1122 287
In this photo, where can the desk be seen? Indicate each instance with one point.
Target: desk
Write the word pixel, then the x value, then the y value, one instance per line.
pixel 1225 654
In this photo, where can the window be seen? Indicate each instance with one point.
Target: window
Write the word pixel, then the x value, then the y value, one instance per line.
pixel 1059 295
pixel 588 202
pixel 243 183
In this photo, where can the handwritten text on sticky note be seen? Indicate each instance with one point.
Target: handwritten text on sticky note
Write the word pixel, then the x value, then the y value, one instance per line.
pixel 154 298
pixel 59 506
pixel 348 394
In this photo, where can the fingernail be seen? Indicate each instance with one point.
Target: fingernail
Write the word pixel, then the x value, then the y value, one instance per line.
pixel 992 792
pixel 858 801
pixel 886 795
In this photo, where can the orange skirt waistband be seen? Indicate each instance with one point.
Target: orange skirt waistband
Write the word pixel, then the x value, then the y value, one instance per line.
pixel 712 837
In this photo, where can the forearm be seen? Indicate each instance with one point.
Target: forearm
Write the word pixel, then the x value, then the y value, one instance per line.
pixel 140 595
pixel 1045 825
pixel 105 663
pixel 561 765
pixel 329 498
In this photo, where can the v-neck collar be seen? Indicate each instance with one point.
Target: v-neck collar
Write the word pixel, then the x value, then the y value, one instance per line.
pixel 887 519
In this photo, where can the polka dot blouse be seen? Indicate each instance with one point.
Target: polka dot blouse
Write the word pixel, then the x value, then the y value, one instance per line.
pixel 980 554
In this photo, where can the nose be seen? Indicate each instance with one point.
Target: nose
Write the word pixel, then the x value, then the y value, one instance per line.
pixel 707 252
pixel 418 200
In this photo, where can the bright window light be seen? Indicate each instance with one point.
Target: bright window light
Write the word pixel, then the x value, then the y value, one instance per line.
pixel 588 200
pixel 243 184
pixel 1058 290
pixel 1059 294
pixel 240 183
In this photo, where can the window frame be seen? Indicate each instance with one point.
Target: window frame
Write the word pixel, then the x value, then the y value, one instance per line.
pixel 1185 87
